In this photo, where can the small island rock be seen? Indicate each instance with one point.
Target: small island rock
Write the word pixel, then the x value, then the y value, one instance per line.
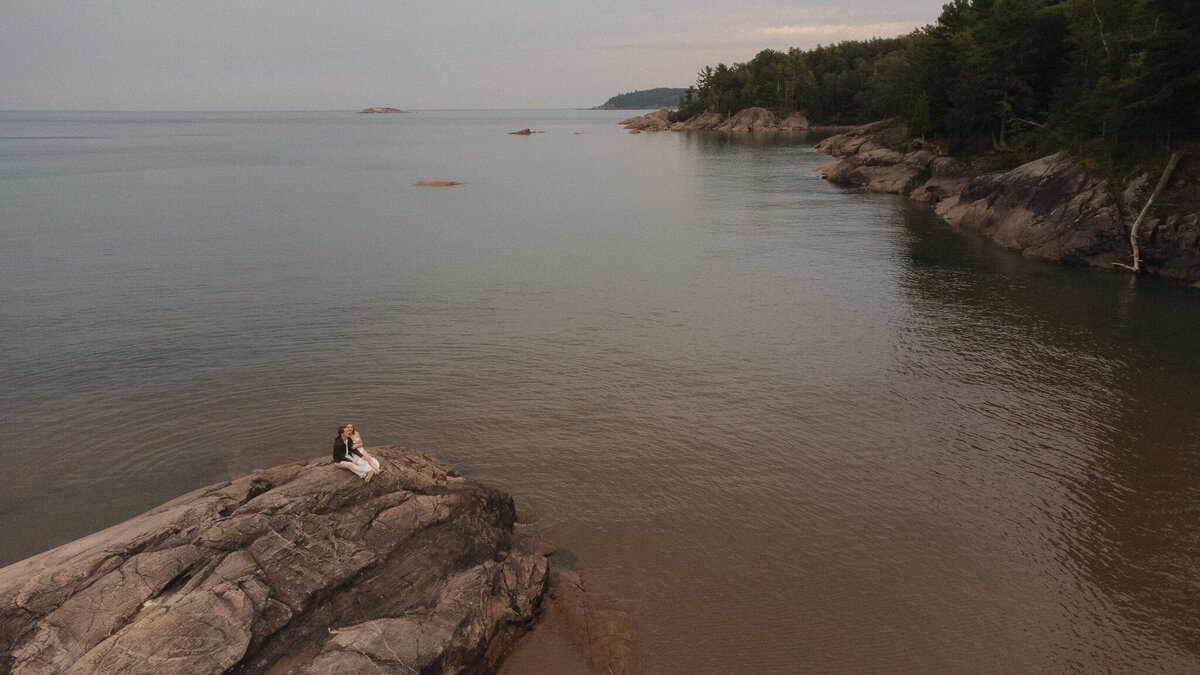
pixel 436 182
pixel 372 111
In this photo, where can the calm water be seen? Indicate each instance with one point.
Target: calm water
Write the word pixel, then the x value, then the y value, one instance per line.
pixel 792 427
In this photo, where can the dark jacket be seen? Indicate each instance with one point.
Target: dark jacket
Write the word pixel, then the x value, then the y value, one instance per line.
pixel 342 451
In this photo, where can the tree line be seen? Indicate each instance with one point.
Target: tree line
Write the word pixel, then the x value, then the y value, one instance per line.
pixel 1090 75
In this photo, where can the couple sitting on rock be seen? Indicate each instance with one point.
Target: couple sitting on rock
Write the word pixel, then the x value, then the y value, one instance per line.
pixel 348 454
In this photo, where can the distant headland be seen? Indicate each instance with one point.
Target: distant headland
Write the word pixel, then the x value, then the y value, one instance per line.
pixel 644 99
pixel 371 111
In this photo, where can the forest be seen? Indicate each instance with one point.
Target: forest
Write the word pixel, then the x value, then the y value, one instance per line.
pixel 1092 76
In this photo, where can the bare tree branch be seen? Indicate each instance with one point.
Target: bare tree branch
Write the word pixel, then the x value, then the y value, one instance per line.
pixel 1133 231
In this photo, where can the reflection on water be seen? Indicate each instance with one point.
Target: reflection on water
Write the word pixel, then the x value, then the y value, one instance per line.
pixel 1095 400
pixel 795 427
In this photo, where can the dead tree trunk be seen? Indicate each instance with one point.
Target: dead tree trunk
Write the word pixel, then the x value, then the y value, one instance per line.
pixel 1133 231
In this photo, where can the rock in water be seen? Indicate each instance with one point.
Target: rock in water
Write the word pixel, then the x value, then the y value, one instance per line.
pixel 303 567
pixel 655 121
pixel 436 182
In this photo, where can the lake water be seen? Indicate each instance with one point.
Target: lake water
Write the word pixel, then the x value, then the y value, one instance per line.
pixel 790 426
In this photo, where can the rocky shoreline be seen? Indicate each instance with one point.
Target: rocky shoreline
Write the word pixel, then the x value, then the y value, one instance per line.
pixel 300 568
pixel 1052 208
pixel 748 120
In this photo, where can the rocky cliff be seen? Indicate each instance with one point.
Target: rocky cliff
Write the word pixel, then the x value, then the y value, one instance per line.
pixel 300 568
pixel 1051 208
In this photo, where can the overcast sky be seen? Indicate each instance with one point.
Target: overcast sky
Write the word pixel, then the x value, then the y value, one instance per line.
pixel 307 55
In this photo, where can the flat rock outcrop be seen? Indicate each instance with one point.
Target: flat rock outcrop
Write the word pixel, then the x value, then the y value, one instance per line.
pixel 744 121
pixel 376 111
pixel 761 119
pixel 1051 208
pixel 436 182
pixel 302 568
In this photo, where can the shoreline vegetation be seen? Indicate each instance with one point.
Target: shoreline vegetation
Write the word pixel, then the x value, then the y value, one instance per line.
pixel 305 568
pixel 1066 129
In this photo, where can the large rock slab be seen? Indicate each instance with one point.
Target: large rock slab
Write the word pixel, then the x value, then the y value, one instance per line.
pixel 301 568
pixel 1053 208
pixel 1050 208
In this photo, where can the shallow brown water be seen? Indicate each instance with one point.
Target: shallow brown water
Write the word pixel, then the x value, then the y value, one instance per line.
pixel 794 428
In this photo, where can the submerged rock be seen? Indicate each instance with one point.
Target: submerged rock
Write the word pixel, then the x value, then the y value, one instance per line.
pixel 302 567
pixel 579 632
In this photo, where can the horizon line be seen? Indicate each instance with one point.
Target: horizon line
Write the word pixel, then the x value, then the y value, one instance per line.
pixel 356 111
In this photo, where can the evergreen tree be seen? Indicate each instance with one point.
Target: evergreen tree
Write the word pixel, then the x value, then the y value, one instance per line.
pixel 992 74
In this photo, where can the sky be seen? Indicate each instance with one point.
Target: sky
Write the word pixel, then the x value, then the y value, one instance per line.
pixel 353 54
